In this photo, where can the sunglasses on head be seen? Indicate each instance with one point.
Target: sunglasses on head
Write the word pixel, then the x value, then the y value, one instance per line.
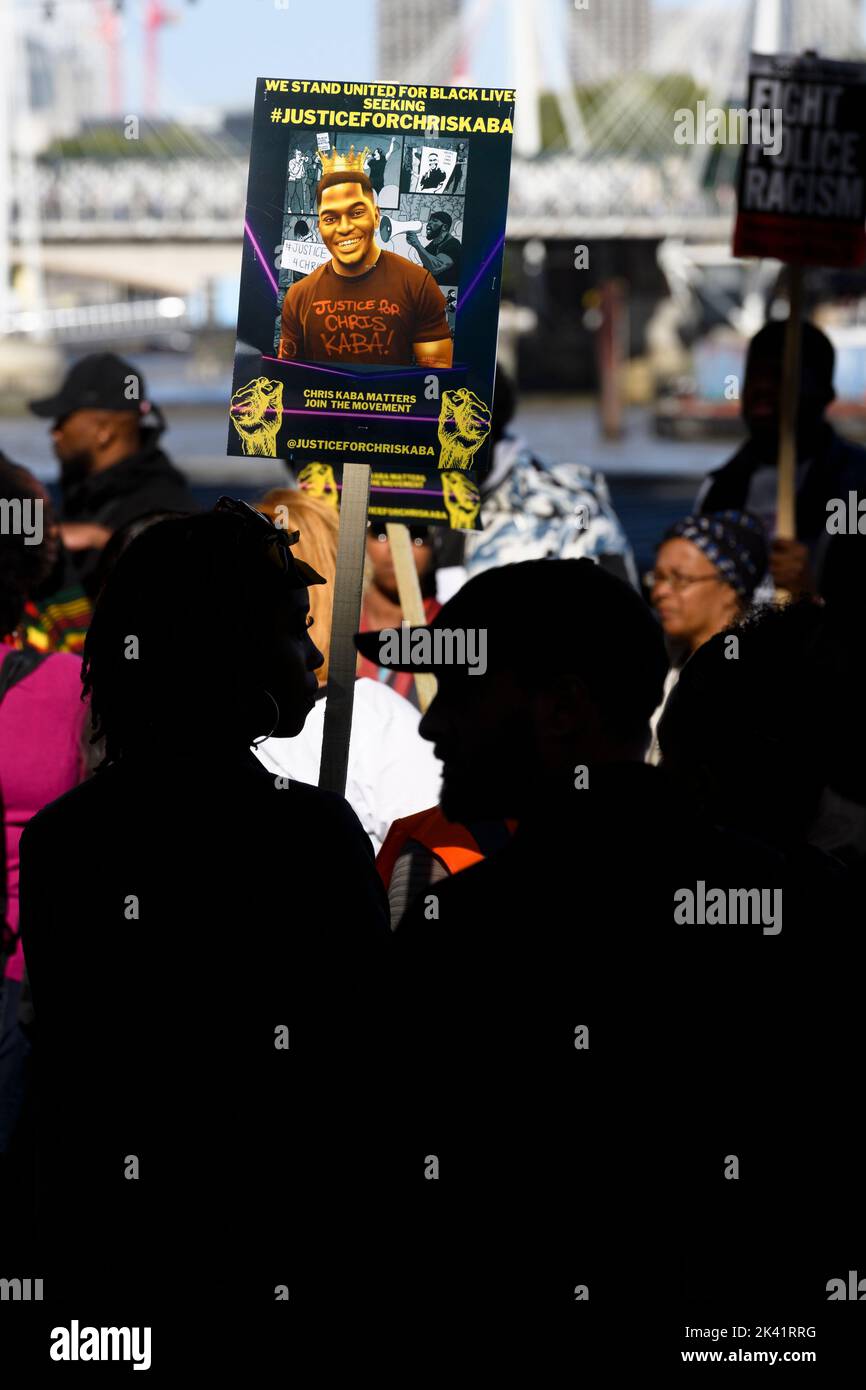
pixel 273 537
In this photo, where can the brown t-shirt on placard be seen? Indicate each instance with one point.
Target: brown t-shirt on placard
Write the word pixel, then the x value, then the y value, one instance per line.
pixel 374 317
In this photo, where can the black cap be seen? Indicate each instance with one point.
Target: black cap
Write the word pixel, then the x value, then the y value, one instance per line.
pixel 557 615
pixel 98 382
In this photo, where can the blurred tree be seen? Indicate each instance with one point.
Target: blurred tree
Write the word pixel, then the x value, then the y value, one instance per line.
pixel 631 116
pixel 157 140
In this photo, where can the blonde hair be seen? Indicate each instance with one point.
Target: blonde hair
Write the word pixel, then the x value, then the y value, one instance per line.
pixel 319 525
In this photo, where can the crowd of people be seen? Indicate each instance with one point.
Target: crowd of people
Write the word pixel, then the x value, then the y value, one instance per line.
pixel 501 873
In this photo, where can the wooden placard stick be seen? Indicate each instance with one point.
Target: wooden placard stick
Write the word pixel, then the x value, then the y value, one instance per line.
pixel 411 602
pixel 343 655
pixel 786 493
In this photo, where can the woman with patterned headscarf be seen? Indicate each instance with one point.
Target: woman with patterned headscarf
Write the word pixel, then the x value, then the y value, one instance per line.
pixel 706 572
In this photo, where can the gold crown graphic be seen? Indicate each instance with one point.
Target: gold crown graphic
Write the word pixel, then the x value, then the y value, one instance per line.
pixel 338 162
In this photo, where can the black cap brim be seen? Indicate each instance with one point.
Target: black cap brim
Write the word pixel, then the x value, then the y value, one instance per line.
pixel 307 573
pixel 55 407
pixel 49 408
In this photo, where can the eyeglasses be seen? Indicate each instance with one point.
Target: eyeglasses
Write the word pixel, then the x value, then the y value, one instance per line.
pixel 676 580
pixel 276 539
pixel 382 536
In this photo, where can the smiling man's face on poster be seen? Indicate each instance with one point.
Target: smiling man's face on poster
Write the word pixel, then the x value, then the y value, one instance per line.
pixel 366 305
pixel 348 218
pixel 370 283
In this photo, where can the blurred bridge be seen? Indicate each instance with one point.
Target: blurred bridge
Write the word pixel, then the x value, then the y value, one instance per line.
pixel 155 226
pixel 173 226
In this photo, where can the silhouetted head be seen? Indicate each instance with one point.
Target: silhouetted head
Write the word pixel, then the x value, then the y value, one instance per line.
pixel 573 667
pixel 100 414
pixel 762 385
pixel 318 527
pixel 200 632
pixel 121 539
pixel 707 569
pixel 753 732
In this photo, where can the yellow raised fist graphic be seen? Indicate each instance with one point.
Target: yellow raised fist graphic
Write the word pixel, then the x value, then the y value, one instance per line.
pixel 462 500
pixel 257 413
pixel 318 480
pixel 464 424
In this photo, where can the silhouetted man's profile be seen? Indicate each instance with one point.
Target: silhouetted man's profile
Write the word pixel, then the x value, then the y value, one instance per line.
pixel 828 466
pixel 199 936
pixel 573 1036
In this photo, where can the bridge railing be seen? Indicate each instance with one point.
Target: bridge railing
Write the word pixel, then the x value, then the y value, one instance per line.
pixel 156 316
pixel 203 200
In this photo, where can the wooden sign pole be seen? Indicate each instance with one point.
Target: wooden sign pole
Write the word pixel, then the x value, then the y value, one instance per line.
pixel 786 482
pixel 343 656
pixel 786 495
pixel 411 602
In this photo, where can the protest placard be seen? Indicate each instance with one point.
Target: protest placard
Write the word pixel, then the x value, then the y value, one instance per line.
pixel 802 185
pixel 802 199
pixel 368 316
pixel 370 284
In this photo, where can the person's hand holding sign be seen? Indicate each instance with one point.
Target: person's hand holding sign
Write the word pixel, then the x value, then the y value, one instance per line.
pixel 790 568
pixel 464 424
pixel 257 413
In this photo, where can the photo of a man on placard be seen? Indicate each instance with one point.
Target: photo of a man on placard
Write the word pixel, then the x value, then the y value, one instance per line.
pixel 366 304
pixel 434 176
pixel 441 255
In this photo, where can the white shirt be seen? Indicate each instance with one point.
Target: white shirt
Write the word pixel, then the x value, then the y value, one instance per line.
pixel 392 770
pixel 654 752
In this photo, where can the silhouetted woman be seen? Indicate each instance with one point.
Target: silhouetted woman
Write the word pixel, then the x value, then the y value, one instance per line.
pixel 198 933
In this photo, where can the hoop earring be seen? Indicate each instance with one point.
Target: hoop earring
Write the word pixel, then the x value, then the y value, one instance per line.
pixel 257 742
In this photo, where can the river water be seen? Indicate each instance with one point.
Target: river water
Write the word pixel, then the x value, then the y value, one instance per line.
pixel 652 480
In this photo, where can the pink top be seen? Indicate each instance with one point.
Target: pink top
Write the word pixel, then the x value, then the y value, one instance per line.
pixel 41 724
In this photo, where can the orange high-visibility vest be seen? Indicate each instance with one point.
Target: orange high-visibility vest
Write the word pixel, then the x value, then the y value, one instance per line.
pixel 454 845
